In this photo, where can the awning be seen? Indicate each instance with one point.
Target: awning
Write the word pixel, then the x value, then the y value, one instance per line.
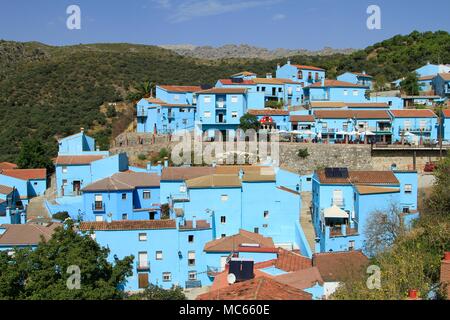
pixel 334 212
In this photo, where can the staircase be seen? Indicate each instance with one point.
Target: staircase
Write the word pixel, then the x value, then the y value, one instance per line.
pixel 305 220
pixel 36 208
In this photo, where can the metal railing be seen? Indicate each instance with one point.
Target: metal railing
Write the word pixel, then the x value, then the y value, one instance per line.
pixel 97 208
pixel 143 266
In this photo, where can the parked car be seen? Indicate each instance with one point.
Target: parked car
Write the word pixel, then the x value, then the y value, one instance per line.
pixel 429 167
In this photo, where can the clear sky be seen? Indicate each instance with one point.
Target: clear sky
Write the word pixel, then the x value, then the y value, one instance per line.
pixel 265 23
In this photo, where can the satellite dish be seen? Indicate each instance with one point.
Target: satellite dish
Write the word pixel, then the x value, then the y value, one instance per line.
pixel 231 278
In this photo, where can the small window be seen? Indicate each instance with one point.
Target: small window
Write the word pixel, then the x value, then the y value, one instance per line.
pixel 224 197
pixel 124 216
pixel 351 245
pixel 408 188
pixel 345 92
pixel 35 183
pixel 192 275
pixel 265 225
pixel 124 196
pixel 256 230
pixel 355 93
pixel 263 89
pixel 266 214
pixel 234 99
pixel 308 179
pixel 223 219
pixel 64 169
pixel 167 276
pixel 64 182
pixel 142 237
pixel 99 218
pixel 298 89
pixel 146 194
pixel 191 238
pixel 176 97
pixel 207 99
pixel 159 255
pixel 234 114
pixel 191 258
pixel 207 114
pixel 183 188
pixel 280 89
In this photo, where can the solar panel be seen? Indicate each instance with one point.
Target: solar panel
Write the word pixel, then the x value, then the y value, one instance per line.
pixel 336 172
pixel 237 80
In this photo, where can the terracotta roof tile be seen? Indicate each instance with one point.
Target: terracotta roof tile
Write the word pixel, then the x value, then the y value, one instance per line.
pixel 445 76
pixel 185 173
pixel 268 112
pixel 327 104
pixel 275 81
pixel 125 181
pixel 364 190
pixel 413 113
pixel 7 165
pixel 446 113
pixel 200 225
pixel 26 174
pixel 27 234
pixel 261 288
pixel 335 84
pixel 214 181
pixel 127 225
pixel 305 118
pixel 381 105
pixel 223 91
pixel 299 66
pixel 5 189
pixel 229 82
pixel 289 261
pixel 232 243
pixel 173 88
pixel 339 266
pixel 302 279
pixel 244 73
pixel 361 177
pixel 348 114
pixel 77 160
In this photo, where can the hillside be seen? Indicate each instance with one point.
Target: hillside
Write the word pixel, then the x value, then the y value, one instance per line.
pixel 47 92
pixel 247 51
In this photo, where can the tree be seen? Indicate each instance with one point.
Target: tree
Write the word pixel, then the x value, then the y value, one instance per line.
pixel 380 82
pixel 410 84
pixel 382 229
pixel 33 154
pixel 438 202
pixel 154 292
pixel 61 215
pixel 43 273
pixel 249 121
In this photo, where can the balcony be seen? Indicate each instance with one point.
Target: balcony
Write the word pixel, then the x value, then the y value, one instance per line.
pixel 338 202
pixel 143 266
pixel 221 105
pixel 98 207
pixel 142 112
pixel 415 129
pixel 193 284
pixel 342 231
pixel 212 271
pixel 180 197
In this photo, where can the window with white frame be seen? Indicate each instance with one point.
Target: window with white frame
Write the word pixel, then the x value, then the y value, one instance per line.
pixel 355 93
pixel 422 124
pixel 183 188
pixel 64 169
pixel 224 197
pixel 124 216
pixel 408 188
pixel 298 89
pixel 146 194
pixel 98 202
pixel 345 92
pixel 234 99
pixel 167 276
pixel 99 218
pixel 142 237
pixel 338 198
pixel 207 99
pixel 64 182
pixel 192 275
pixel 234 114
pixel 207 114
pixel 407 124
pixel 191 258
pixel 191 238
pixel 266 214
pixel 159 255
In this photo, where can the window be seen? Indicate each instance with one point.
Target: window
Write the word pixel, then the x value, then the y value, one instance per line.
pixel 167 276
pixel 192 275
pixel 257 89
pixel 408 188
pixel 223 219
pixel 183 188
pixel 124 216
pixel 309 75
pixel 146 194
pixel 35 183
pixel 98 203
pixel 143 280
pixel 207 99
pixel 143 259
pixel 345 92
pixel 207 114
pixel 99 218
pixel 142 237
pixel 308 179
pixel 407 124
pixel 351 245
pixel 224 197
pixel 338 199
pixel 64 182
pixel 265 225
pixel 223 235
pixel 191 258
pixel 266 214
pixel 159 255
pixel 355 93
pixel 281 90
pixel 256 230
pixel 263 89
pixel 298 89
pixel 324 125
pixel 234 114
pixel 191 238
pixel 124 196
pixel 234 99
pixel 64 169
pixel 422 124
pixel 317 76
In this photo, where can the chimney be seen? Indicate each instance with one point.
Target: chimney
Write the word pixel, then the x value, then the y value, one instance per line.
pixel 194 222
pixel 289 61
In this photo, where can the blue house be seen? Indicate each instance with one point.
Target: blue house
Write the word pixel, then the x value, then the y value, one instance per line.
pixel 123 196
pixel 335 90
pixel 166 252
pixel 442 84
pixel 272 118
pixel 445 124
pixel 361 78
pixel 414 126
pixel 77 144
pixel 255 97
pixel 343 202
pixel 426 74
pixel 284 91
pixel 306 75
pixel 27 183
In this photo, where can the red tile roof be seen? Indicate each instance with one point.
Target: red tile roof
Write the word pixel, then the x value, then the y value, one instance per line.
pixel 223 91
pixel 128 180
pixel 336 84
pixel 27 234
pixel 429 77
pixel 413 113
pixel 348 114
pixel 305 118
pixel 299 66
pixel 185 173
pixel 173 88
pixel 127 225
pixel 445 76
pixel 302 279
pixel 229 82
pixel 262 288
pixel 26 174
pixel 5 189
pixel 339 266
pixel 268 112
pixel 360 177
pixel 446 113
pixel 368 105
pixel 234 242
pixel 7 165
pixel 290 261
pixel 77 160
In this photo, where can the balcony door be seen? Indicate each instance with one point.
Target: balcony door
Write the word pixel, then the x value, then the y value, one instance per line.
pixel 143 260
pixel 338 198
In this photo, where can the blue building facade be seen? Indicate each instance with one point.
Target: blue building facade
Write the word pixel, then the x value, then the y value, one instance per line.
pixel 414 126
pixel 334 90
pixel 360 78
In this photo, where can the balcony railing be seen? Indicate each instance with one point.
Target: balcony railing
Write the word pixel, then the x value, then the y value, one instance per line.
pixel 415 129
pixel 342 230
pixel 338 202
pixel 193 284
pixel 98 207
pixel 221 105
pixel 143 266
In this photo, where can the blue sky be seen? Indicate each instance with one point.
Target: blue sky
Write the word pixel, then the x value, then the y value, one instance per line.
pixel 266 23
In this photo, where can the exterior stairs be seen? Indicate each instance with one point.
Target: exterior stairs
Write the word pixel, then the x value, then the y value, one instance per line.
pixel 306 220
pixel 36 208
